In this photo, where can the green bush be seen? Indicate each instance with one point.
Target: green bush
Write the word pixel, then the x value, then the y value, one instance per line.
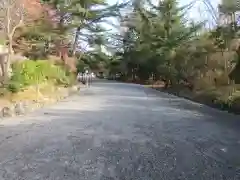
pixel 80 66
pixel 30 72
pixel 222 80
pixel 13 87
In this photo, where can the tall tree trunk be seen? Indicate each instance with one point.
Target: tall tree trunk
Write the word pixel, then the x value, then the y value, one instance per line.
pixel 60 42
pixel 76 41
pixel 7 62
pixel 9 38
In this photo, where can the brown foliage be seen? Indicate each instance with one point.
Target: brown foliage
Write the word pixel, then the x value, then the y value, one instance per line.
pixel 69 62
pixel 33 8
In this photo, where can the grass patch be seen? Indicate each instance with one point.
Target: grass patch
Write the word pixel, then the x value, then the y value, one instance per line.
pixel 35 81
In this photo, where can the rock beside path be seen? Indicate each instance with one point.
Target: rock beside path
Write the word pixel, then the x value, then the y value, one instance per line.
pixel 25 106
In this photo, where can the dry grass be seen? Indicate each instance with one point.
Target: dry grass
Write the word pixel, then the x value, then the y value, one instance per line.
pixel 154 85
pixel 4 102
pixel 46 92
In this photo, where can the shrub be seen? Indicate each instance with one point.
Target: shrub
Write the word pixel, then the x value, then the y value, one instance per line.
pixel 222 80
pixel 80 66
pixel 203 83
pixel 13 87
pixel 30 72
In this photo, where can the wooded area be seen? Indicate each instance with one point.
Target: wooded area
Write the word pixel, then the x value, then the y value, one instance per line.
pixel 40 40
pixel 161 44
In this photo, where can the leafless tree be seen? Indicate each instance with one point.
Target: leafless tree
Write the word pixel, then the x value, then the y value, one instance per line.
pixel 12 14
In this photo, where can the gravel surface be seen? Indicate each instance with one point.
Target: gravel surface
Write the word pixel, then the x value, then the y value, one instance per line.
pixel 115 131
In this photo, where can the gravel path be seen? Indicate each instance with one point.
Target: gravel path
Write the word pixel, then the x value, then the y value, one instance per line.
pixel 124 132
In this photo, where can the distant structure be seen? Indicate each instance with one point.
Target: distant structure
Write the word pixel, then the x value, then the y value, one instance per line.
pixel 221 13
pixel 229 12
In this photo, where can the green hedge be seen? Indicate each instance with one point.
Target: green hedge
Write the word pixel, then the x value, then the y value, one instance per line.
pixel 30 72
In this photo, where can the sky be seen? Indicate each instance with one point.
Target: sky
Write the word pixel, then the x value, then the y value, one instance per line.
pixel 198 12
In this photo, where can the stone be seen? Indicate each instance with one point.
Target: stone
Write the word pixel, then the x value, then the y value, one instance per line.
pixel 3 56
pixel 19 108
pixel 73 89
pixel 30 105
pixel 8 111
pixel 40 104
pixel 26 106
pixel 22 107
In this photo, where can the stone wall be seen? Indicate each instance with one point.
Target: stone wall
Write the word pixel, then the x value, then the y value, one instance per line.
pixel 3 56
pixel 26 106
